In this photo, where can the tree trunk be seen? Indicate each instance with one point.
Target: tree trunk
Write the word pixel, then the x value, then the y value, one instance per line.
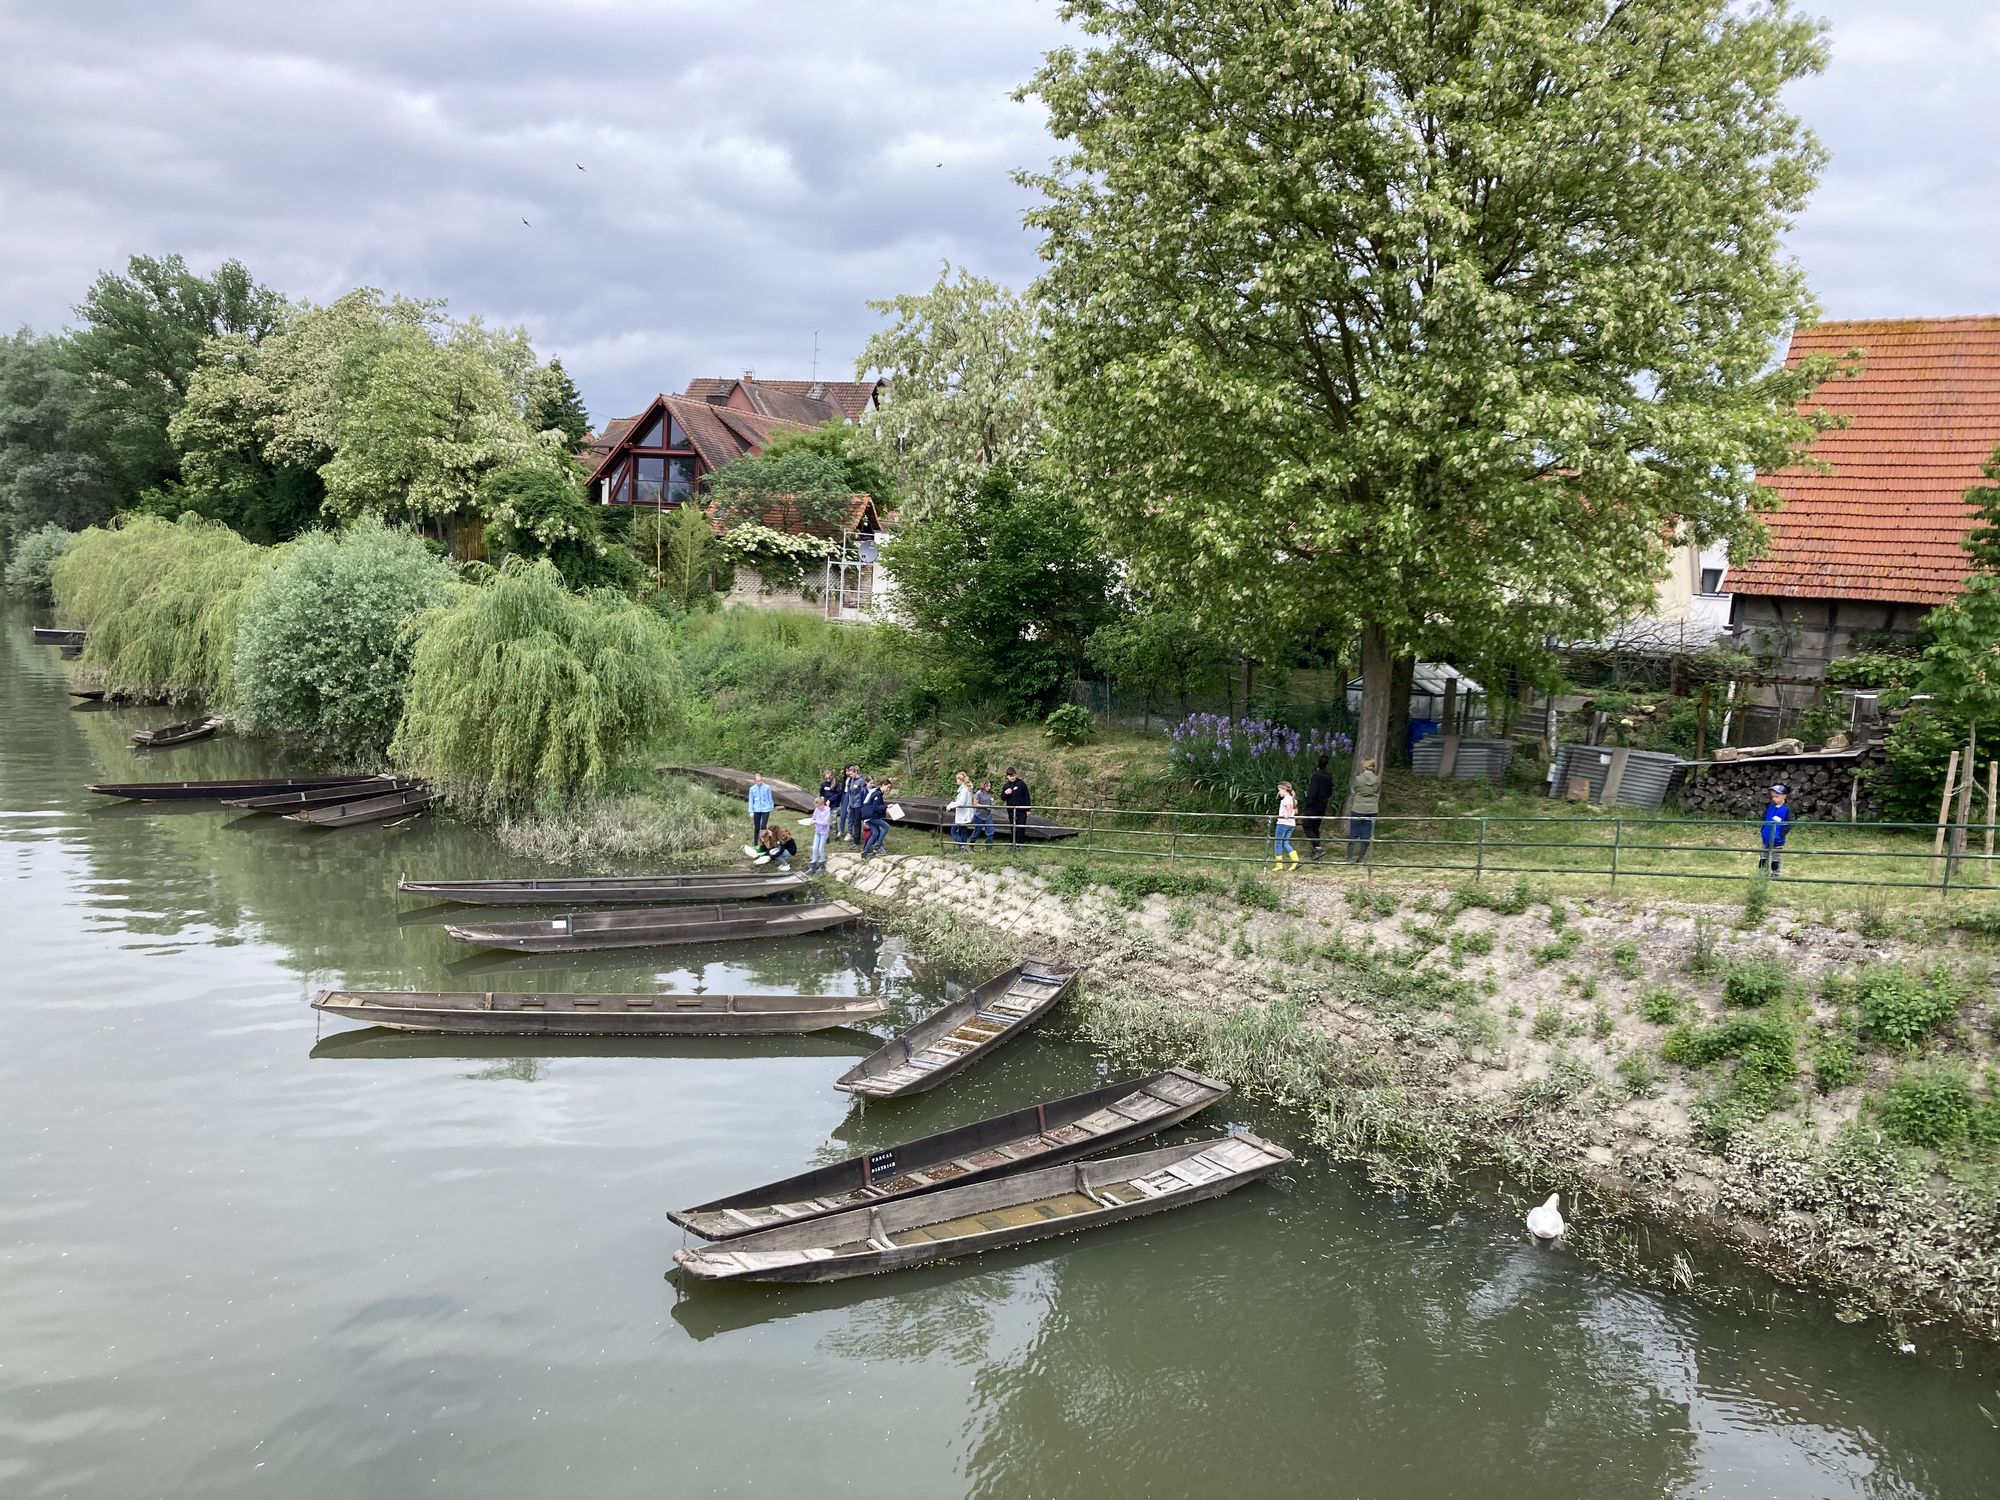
pixel 1371 733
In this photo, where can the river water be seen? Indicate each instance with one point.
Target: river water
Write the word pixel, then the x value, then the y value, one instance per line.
pixel 244 1254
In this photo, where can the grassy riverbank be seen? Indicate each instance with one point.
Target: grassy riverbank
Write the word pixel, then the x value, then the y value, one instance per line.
pixel 1824 1099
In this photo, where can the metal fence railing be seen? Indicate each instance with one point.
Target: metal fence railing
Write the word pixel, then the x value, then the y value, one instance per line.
pixel 1907 856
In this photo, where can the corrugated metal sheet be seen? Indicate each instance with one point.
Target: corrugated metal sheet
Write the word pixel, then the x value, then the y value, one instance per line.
pixel 1644 784
pixel 1477 760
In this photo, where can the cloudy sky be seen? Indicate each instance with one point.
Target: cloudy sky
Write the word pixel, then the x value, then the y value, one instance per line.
pixel 750 173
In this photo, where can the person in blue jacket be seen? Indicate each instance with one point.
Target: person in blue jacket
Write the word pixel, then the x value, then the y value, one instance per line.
pixel 1777 823
pixel 760 803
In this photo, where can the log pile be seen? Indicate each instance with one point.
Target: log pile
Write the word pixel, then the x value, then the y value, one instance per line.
pixel 1819 786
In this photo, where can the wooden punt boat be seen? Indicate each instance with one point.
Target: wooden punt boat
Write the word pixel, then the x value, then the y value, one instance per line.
pixel 1039 1136
pixel 728 779
pixel 379 1044
pixel 281 802
pixel 88 695
pixel 606 890
pixel 987 1215
pixel 507 1014
pixel 217 791
pixel 657 927
pixel 176 734
pixel 949 1040
pixel 366 809
pixel 70 653
pixel 47 636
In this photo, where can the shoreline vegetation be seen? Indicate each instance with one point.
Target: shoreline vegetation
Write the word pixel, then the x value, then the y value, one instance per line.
pixel 1816 1101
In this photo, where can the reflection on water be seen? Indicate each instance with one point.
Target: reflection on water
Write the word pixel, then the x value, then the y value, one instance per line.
pixel 248 1254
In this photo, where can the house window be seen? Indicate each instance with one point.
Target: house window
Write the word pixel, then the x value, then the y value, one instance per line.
pixel 652 477
pixel 1711 580
pixel 680 480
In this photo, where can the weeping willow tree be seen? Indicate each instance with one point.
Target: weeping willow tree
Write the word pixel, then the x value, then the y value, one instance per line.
pixel 160 600
pixel 522 692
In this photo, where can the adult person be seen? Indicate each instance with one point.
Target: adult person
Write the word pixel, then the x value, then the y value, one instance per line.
pixel 760 803
pixel 1014 793
pixel 961 813
pixel 1771 832
pixel 853 791
pixel 1364 803
pixel 1319 794
pixel 982 811
pixel 822 823
pixel 1281 837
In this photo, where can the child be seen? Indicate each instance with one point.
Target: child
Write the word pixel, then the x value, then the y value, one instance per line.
pixel 779 845
pixel 1777 823
pixel 1288 819
pixel 961 813
pixel 822 826
pixel 982 811
pixel 760 803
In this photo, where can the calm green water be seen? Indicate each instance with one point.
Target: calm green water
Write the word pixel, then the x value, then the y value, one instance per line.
pixel 242 1258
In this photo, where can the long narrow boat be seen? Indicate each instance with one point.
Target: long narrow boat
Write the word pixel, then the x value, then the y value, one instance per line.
pixel 950 1040
pixel 48 636
pixel 506 1014
pixel 176 734
pixel 606 890
pixel 88 695
pixel 1039 1136
pixel 367 809
pixel 657 927
pixel 987 1215
pixel 348 791
pixel 217 791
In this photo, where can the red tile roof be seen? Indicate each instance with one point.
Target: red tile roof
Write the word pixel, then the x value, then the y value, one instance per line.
pixel 1885 522
pixel 849 398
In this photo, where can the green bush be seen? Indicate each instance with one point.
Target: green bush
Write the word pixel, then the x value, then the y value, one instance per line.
pixel 1756 901
pixel 1764 1046
pixel 1917 752
pixel 1932 1107
pixel 1831 1051
pixel 1900 1008
pixel 1511 902
pixel 538 510
pixel 521 691
pixel 322 648
pixel 29 569
pixel 1660 1006
pixel 160 600
pixel 1756 982
pixel 1625 958
pixel 1252 892
pixel 1638 1075
pixel 1069 725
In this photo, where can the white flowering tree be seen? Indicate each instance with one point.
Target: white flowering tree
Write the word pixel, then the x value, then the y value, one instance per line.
pixel 1428 319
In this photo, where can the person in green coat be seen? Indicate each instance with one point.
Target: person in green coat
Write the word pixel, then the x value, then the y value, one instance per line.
pixel 1364 802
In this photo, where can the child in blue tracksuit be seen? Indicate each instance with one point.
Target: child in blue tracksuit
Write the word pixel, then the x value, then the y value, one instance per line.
pixel 760 803
pixel 1777 823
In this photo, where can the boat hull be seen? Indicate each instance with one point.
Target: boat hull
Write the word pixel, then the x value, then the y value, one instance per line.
pixel 1058 1130
pixel 217 791
pixel 605 891
pixel 1021 1209
pixel 365 810
pixel 581 1015
pixel 169 735
pixel 948 1041
pixel 672 926
pixel 325 797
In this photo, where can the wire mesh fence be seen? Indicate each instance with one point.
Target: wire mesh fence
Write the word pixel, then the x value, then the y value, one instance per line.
pixel 1905 856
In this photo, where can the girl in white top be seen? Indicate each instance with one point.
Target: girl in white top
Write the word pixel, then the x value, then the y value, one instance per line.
pixel 1288 819
pixel 961 813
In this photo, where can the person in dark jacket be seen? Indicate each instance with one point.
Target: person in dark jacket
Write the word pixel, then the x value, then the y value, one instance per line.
pixel 875 819
pixel 830 787
pixel 1771 833
pixel 852 792
pixel 1014 796
pixel 1319 793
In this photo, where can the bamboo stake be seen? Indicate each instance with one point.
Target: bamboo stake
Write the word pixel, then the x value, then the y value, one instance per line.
pixel 1965 785
pixel 1944 813
pixel 1992 790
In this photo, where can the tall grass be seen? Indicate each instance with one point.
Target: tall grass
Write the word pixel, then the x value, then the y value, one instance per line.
pixel 160 600
pixel 678 820
pixel 790 693
pixel 522 692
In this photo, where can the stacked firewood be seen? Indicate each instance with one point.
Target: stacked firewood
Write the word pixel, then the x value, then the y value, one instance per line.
pixel 1818 789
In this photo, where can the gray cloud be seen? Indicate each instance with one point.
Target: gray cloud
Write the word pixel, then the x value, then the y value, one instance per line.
pixel 754 172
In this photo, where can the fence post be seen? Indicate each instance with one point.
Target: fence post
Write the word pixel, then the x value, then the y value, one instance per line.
pixel 1617 843
pixel 1173 835
pixel 1090 829
pixel 1479 867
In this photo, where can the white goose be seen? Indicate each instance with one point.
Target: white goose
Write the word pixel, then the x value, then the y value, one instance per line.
pixel 1546 1222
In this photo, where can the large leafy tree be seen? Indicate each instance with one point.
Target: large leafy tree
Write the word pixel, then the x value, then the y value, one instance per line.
pixel 49 474
pixel 863 465
pixel 961 364
pixel 797 485
pixel 556 405
pixel 136 348
pixel 1002 588
pixel 1428 318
